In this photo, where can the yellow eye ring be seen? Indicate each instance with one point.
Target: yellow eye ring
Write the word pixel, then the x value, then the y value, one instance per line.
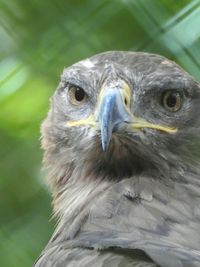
pixel 76 95
pixel 172 100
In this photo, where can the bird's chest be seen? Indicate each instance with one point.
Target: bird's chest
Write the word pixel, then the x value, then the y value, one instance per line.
pixel 132 212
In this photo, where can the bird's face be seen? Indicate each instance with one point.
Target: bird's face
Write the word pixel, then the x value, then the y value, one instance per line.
pixel 121 113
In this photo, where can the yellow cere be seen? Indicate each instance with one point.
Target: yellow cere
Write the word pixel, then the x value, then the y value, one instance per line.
pixel 126 94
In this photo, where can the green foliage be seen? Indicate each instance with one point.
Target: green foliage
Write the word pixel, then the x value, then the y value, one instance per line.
pixel 37 40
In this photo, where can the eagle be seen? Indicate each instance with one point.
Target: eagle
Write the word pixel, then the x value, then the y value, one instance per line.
pixel 122 148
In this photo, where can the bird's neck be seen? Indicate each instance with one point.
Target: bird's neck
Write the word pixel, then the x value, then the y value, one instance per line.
pixel 74 203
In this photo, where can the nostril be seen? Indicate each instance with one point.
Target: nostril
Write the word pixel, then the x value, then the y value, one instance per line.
pixel 125 101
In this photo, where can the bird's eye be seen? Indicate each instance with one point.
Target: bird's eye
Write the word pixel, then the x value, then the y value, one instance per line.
pixel 172 100
pixel 76 95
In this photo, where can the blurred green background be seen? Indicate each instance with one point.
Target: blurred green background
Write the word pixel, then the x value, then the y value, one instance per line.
pixel 37 40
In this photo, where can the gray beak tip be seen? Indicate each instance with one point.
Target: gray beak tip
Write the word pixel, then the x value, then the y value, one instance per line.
pixel 104 146
pixel 105 139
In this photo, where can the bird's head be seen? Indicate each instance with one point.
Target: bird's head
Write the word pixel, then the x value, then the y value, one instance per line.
pixel 119 114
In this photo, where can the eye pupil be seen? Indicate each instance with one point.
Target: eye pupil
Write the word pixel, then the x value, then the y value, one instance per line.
pixel 172 100
pixel 79 94
pixel 76 95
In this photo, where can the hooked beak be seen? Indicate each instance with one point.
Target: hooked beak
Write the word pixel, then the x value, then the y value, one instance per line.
pixel 114 112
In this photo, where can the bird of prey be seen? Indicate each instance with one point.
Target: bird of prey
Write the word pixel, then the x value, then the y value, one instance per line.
pixel 121 144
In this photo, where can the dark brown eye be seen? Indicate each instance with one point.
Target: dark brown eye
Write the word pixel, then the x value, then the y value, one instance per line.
pixel 76 95
pixel 172 100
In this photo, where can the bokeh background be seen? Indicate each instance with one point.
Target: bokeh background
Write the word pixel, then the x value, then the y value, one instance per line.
pixel 37 40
